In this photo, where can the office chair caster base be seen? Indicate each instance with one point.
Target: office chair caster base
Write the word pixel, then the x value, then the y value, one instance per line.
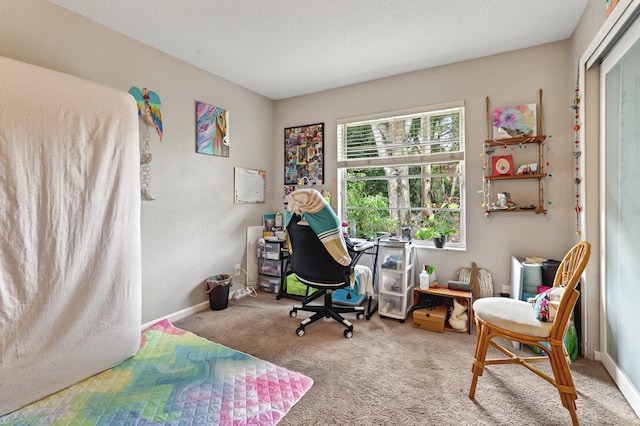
pixel 293 314
pixel 360 315
pixel 348 333
pixel 300 331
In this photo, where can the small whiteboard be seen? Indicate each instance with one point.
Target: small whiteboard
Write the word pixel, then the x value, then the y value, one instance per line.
pixel 249 185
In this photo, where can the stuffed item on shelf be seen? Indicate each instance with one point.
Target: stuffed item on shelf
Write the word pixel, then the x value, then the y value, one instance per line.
pixel 459 319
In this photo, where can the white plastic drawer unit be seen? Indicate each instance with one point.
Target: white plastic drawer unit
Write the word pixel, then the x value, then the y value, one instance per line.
pixel 269 250
pixel 395 278
pixel 392 281
pixel 269 267
pixel 395 305
pixel 269 284
pixel 395 257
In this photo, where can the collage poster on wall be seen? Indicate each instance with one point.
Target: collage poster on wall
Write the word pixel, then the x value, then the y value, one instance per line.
pixel 303 155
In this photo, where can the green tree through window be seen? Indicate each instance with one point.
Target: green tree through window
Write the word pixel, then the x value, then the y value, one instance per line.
pixel 403 170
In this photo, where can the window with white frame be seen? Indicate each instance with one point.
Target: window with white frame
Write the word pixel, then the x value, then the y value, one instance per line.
pixel 404 169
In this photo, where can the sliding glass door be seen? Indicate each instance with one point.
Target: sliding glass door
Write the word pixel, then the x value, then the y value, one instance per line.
pixel 620 224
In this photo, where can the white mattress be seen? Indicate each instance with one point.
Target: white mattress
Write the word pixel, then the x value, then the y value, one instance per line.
pixel 70 231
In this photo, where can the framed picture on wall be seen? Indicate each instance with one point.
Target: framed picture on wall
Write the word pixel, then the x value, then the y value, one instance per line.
pixel 514 122
pixel 212 130
pixel 304 155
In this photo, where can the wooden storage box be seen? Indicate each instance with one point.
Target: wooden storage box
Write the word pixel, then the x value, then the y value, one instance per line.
pixel 431 318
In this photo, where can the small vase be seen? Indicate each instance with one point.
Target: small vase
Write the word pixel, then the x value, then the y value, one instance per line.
pixel 439 242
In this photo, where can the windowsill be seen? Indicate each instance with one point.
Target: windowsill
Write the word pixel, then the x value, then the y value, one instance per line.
pixel 447 247
pixel 420 244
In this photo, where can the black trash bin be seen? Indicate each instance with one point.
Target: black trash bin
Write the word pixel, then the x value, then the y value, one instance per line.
pixel 549 269
pixel 218 289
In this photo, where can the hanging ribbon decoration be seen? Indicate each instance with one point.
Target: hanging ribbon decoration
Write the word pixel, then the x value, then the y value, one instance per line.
pixel 577 152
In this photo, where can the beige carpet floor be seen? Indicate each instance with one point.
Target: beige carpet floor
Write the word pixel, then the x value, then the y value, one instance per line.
pixel 391 373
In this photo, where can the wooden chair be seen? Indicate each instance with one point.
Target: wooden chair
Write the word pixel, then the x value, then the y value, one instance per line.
pixel 516 320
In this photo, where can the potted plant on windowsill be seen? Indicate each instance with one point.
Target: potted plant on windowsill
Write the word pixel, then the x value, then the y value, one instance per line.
pixel 438 227
pixel 438 233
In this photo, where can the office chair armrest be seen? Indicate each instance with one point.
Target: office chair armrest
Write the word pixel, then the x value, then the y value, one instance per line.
pixel 365 245
pixel 358 250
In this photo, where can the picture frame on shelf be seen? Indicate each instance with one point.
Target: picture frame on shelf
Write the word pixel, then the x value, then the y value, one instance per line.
pixel 502 165
pixel 268 222
pixel 528 169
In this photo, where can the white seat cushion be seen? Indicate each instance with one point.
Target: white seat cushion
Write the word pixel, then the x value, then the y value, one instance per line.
pixel 511 314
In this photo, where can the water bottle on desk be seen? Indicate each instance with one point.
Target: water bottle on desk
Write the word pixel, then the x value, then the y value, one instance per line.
pixel 424 278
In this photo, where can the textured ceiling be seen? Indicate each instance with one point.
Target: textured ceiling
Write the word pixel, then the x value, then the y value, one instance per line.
pixel 285 48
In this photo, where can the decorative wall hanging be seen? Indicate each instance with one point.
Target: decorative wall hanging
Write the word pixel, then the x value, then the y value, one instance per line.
pixel 513 122
pixel 609 6
pixel 148 103
pixel 577 152
pixel 304 155
pixel 212 130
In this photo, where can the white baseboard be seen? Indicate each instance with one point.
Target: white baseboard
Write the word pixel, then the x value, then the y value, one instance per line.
pixel 628 389
pixel 180 314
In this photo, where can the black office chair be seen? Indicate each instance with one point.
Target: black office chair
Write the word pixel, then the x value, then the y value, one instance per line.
pixel 315 267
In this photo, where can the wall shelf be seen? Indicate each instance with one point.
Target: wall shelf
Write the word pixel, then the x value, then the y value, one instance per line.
pixel 516 210
pixel 530 176
pixel 523 140
pixel 496 148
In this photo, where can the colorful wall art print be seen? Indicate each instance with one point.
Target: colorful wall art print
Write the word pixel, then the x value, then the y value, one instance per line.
pixel 514 122
pixel 303 155
pixel 212 130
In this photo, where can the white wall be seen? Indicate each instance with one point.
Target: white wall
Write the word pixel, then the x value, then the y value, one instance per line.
pixel 193 229
pixel 508 79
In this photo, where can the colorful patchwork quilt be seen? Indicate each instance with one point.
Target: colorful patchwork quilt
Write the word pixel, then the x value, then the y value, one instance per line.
pixel 176 378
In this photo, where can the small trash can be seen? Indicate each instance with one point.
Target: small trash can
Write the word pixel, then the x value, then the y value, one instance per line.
pixel 549 269
pixel 218 289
